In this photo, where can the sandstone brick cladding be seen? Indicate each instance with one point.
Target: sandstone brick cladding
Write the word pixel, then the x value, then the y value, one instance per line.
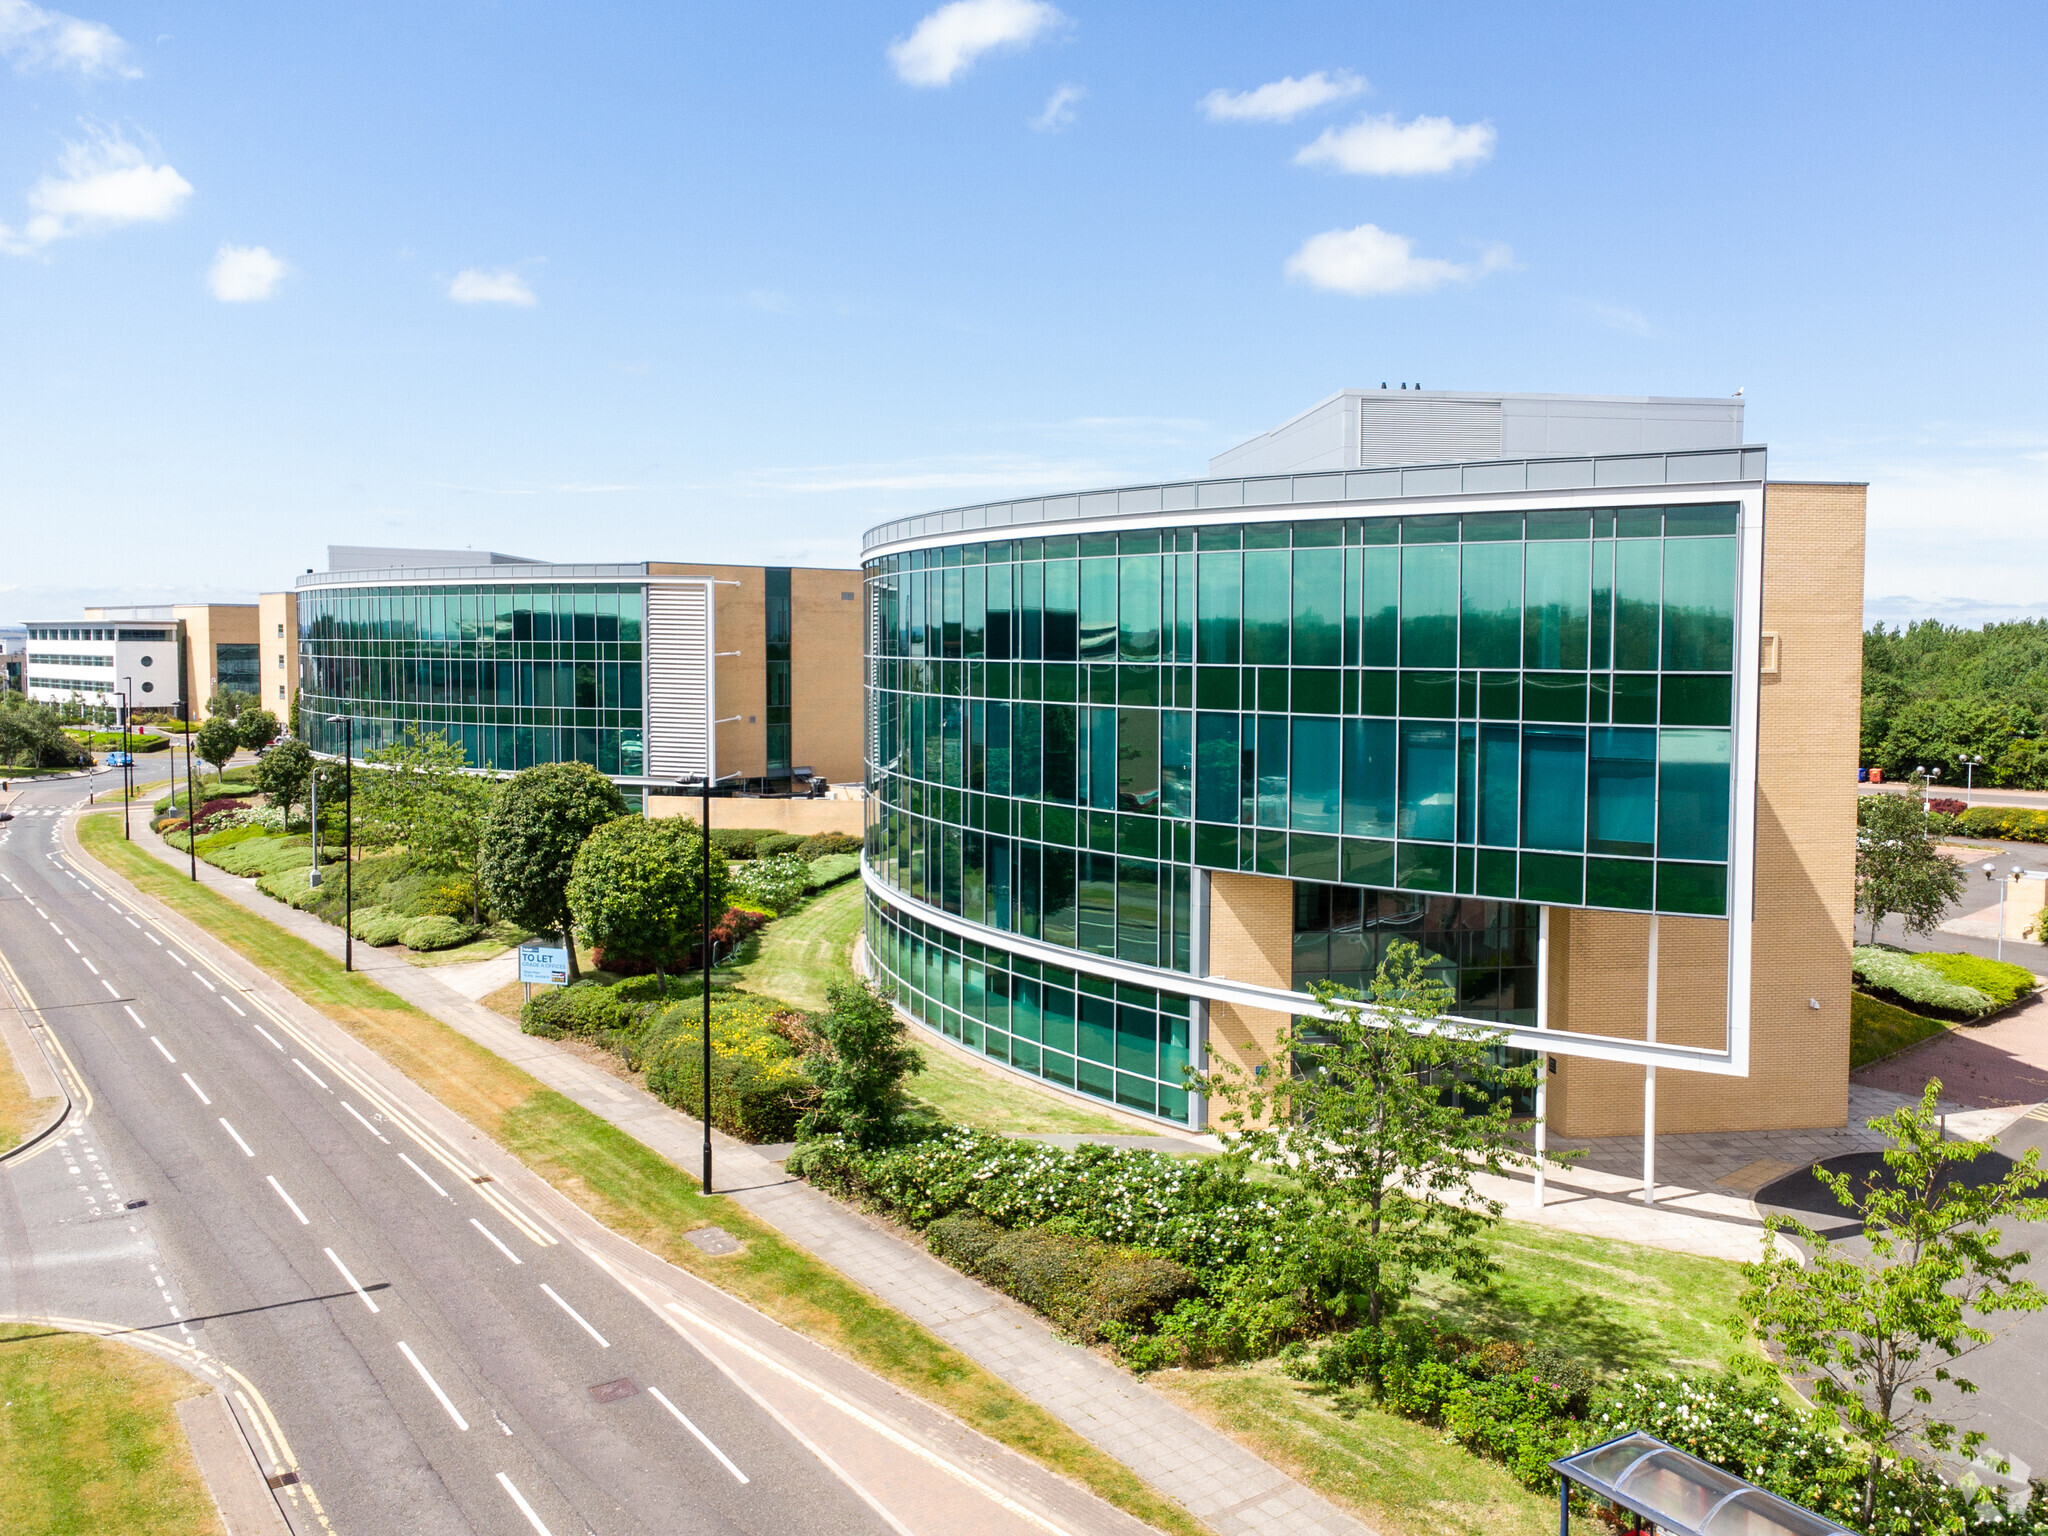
pixel 1251 939
pixel 1805 877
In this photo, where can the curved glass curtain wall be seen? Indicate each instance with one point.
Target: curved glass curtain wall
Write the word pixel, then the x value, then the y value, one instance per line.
pixel 1530 707
pixel 519 674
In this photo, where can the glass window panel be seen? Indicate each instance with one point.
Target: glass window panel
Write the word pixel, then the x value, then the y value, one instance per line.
pixel 1428 781
pixel 1266 606
pixel 1430 695
pixel 1499 791
pixel 1492 605
pixel 1098 610
pixel 1176 763
pixel 1556 605
pixel 1696 888
pixel 1555 878
pixel 1603 605
pixel 1138 608
pixel 1100 761
pixel 1692 794
pixel 1057 898
pixel 1137 911
pixel 1554 787
pixel 1216 767
pixel 1217 599
pixel 1062 610
pixel 1619 883
pixel 1379 605
pixel 1696 699
pixel 1098 1029
pixel 1621 791
pixel 1095 889
pixel 1137 1040
pixel 1369 778
pixel 1316 773
pixel 1272 770
pixel 1699 605
pixel 1554 696
pixel 1062 753
pixel 1429 606
pixel 1638 588
pixel 1137 759
pixel 1318 607
pixel 1717 517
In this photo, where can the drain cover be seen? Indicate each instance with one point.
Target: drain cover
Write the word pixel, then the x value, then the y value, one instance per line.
pixel 612 1391
pixel 282 1479
pixel 713 1240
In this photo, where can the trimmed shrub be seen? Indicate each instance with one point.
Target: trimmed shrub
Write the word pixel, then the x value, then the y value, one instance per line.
pixel 1088 1287
pixel 584 1009
pixel 832 868
pixel 1893 976
pixel 772 843
pixel 1946 807
pixel 738 842
pixel 822 844
pixel 758 1086
pixel 777 883
pixel 1999 980
pixel 378 926
pixel 2013 823
pixel 437 931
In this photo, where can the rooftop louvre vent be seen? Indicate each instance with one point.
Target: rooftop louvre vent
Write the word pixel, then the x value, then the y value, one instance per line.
pixel 1413 431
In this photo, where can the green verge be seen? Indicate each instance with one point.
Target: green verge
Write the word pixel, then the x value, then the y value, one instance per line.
pixel 638 1193
pixel 1878 1030
pixel 19 1114
pixel 91 1441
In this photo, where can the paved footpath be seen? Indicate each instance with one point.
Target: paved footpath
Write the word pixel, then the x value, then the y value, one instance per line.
pixel 1232 1491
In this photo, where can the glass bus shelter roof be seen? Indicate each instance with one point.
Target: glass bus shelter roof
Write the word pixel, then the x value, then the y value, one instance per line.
pixel 1682 1494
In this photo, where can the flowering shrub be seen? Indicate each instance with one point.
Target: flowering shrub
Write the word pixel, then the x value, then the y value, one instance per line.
pixel 777 883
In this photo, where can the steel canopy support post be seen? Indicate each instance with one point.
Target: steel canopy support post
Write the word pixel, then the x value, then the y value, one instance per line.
pixel 1542 1061
pixel 1650 1081
pixel 704 911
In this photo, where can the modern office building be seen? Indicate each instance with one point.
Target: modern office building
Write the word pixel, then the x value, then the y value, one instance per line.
pixel 1562 689
pixel 652 672
pixel 161 659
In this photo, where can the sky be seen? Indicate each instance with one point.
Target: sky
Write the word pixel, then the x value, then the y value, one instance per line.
pixel 610 283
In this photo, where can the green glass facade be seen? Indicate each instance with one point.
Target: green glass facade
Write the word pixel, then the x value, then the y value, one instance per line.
pixel 518 673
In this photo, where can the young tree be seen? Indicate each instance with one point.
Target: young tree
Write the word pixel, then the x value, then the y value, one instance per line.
pixel 1384 1110
pixel 230 702
pixel 217 741
pixel 258 728
pixel 637 889
pixel 531 834
pixel 1899 869
pixel 285 773
pixel 1877 1333
pixel 860 1076
pixel 421 794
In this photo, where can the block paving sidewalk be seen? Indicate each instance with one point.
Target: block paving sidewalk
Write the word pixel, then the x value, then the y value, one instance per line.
pixel 1229 1489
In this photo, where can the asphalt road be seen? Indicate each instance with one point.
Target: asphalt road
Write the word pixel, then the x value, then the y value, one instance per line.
pixel 437 1358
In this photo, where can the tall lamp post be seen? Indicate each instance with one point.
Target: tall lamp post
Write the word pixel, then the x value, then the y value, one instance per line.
pixel 191 800
pixel 1970 767
pixel 348 838
pixel 1990 873
pixel 704 784
pixel 127 751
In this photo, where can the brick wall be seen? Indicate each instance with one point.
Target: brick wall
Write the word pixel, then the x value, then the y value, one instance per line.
pixel 1251 939
pixel 1808 720
pixel 825 673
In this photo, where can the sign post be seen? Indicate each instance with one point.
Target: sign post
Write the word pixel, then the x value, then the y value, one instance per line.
pixel 545 963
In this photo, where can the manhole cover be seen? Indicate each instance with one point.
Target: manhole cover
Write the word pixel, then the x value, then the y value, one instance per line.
pixel 612 1391
pixel 714 1240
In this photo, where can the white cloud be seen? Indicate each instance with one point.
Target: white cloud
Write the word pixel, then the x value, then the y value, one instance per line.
pixel 1280 101
pixel 1618 317
pixel 38 39
pixel 771 301
pixel 244 274
pixel 105 182
pixel 1379 146
pixel 1368 260
pixel 1059 109
pixel 954 36
pixel 473 285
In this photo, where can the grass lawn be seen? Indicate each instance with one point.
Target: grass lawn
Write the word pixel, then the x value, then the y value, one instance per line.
pixel 19 1114
pixel 1614 1305
pixel 991 1099
pixel 90 1441
pixel 636 1192
pixel 797 957
pixel 1878 1030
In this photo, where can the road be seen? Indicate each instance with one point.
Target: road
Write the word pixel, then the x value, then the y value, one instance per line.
pixel 414 1345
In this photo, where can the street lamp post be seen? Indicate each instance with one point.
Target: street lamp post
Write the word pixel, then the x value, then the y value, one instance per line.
pixel 704 783
pixel 1970 767
pixel 348 839
pixel 127 751
pixel 191 801
pixel 1990 874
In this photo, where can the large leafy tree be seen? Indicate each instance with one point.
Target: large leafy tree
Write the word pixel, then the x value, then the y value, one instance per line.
pixel 861 1072
pixel 258 728
pixel 421 794
pixel 230 702
pixel 638 891
pixel 1900 870
pixel 285 773
pixel 535 825
pixel 32 735
pixel 1383 1109
pixel 1877 1333
pixel 218 741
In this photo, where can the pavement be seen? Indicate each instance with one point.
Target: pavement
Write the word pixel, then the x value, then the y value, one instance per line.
pixel 1232 1491
pixel 412 1331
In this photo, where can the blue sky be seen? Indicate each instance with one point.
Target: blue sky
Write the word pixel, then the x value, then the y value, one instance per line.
pixel 610 282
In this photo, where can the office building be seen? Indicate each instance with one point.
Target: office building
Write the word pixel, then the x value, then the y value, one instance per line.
pixel 1563 689
pixel 163 659
pixel 653 672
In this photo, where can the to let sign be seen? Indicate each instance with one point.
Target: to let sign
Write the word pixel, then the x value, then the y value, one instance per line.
pixel 542 962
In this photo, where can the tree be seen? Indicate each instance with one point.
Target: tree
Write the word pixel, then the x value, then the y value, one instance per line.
pixel 258 728
pixel 33 736
pixel 421 794
pixel 861 1072
pixel 637 889
pixel 535 825
pixel 284 773
pixel 1877 1333
pixel 1383 1109
pixel 230 702
pixel 218 741
pixel 1899 869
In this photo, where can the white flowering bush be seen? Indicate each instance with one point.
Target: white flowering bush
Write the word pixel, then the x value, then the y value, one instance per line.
pixel 777 883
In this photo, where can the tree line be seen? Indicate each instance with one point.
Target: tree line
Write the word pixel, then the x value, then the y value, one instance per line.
pixel 1934 694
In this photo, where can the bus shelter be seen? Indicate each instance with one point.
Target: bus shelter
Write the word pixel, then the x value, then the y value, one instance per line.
pixel 1671 1491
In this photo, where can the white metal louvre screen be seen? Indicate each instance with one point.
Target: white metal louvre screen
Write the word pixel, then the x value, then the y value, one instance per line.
pixel 1415 431
pixel 678 680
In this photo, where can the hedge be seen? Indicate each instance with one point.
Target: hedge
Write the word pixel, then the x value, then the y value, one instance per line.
pixel 1894 976
pixel 2013 823
pixel 585 1009
pixel 1090 1288
pixel 437 931
pixel 2001 981
pixel 832 868
pixel 759 1089
pixel 378 926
